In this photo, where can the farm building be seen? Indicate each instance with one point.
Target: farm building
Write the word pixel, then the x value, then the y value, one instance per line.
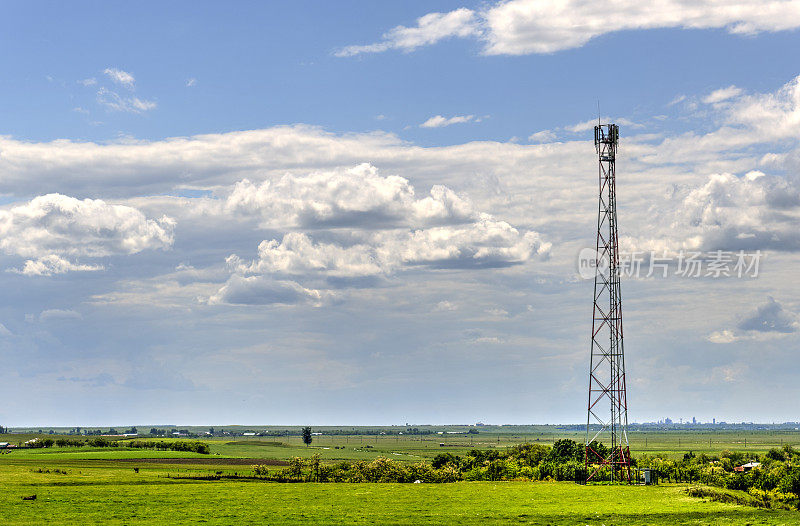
pixel 747 467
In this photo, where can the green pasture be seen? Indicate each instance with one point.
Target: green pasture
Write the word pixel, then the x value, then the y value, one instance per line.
pixel 111 494
pixel 101 485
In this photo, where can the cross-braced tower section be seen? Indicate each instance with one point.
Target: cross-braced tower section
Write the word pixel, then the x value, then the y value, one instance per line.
pixel 607 452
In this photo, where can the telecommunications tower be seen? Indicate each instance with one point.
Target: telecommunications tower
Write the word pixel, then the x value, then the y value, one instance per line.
pixel 607 453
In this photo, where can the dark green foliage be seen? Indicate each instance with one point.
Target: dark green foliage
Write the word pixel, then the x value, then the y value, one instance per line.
pixel 442 459
pixel 306 433
pixel 176 445
pixel 170 445
pixel 566 450
pixel 102 442
pixel 69 442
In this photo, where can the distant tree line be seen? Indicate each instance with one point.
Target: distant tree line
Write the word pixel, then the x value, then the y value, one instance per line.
pixel 170 445
pixel 525 461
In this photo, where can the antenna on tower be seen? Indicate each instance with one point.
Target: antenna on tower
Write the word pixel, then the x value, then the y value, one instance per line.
pixel 598 112
pixel 606 448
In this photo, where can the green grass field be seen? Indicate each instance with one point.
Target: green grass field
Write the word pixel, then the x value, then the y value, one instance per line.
pixel 100 486
pixel 107 495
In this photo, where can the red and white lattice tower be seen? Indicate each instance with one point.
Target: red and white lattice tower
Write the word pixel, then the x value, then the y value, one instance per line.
pixel 607 453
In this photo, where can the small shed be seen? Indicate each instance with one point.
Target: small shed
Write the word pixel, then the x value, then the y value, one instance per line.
pixel 747 467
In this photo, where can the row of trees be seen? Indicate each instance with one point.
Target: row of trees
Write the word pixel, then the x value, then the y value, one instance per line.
pixel 166 445
pixel 525 461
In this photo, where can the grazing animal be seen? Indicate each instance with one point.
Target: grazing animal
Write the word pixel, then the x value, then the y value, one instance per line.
pixel 136 470
pixel 29 497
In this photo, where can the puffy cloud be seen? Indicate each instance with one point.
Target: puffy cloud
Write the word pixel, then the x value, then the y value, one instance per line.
pixel 520 27
pixel 261 290
pixel 430 29
pixel 304 162
pixel 353 196
pixel 728 212
pixel 53 264
pixel 770 317
pixel 769 320
pixel 120 77
pixel 439 121
pixel 53 227
pixel 769 116
pixel 543 136
pixel 485 243
pixel 298 254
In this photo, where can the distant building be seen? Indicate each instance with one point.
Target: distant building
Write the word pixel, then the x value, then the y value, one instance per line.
pixel 747 467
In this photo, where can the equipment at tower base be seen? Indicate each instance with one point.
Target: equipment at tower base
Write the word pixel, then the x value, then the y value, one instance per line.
pixel 607 452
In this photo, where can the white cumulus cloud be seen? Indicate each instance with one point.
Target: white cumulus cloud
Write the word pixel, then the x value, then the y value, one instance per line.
pixel 485 243
pixel 53 264
pixel 261 290
pixel 352 196
pixel 55 229
pixel 728 212
pixel 768 321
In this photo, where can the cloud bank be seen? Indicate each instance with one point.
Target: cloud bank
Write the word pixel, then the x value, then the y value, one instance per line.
pixel 521 27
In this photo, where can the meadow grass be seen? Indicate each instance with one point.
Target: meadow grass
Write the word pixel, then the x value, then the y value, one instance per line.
pixel 100 486
pixel 116 496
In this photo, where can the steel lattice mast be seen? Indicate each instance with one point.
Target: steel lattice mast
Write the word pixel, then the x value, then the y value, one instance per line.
pixel 607 363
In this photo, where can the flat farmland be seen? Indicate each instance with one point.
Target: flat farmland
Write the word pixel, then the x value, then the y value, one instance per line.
pixel 121 485
pixel 672 444
pixel 110 494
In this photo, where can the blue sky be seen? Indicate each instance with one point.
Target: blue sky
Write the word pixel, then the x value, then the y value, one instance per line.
pixel 370 213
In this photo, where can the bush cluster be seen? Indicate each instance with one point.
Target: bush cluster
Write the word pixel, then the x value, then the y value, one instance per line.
pixel 166 445
pixel 775 483
pixel 564 461
pixel 176 445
